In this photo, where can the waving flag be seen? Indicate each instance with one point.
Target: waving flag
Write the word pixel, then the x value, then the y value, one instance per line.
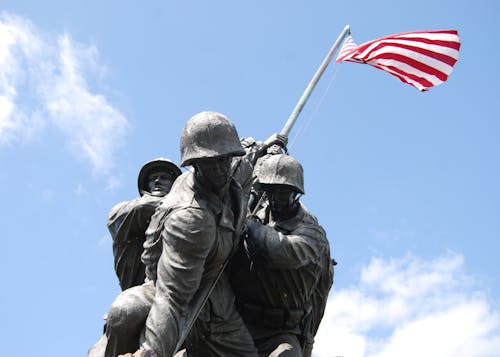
pixel 422 59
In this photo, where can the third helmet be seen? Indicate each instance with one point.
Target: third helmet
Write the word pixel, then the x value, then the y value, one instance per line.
pixel 281 170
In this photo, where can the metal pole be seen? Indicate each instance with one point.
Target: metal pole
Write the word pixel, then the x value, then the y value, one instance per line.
pixel 305 96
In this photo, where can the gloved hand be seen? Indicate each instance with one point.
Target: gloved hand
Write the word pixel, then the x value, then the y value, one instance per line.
pixel 276 139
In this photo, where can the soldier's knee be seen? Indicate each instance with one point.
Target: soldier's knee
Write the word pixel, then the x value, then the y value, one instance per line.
pixel 116 317
pixel 129 311
pixel 122 319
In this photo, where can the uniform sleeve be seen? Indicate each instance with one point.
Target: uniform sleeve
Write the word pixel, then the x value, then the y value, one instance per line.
pixel 115 217
pixel 188 236
pixel 303 246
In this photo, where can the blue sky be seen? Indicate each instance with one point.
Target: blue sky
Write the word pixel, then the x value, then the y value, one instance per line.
pixel 405 183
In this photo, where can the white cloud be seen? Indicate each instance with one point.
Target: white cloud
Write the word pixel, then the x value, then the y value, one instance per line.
pixel 92 124
pixel 411 307
pixel 44 82
pixel 17 44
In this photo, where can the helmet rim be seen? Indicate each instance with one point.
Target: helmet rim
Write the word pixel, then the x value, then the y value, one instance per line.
pixel 160 164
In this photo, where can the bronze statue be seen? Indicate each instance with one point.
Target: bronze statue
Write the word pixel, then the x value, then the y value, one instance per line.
pixel 127 224
pixel 128 221
pixel 283 273
pixel 187 300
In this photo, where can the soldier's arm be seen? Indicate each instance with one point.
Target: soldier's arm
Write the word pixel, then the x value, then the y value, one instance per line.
pixel 115 217
pixel 128 217
pixel 256 149
pixel 127 224
pixel 284 251
pixel 187 237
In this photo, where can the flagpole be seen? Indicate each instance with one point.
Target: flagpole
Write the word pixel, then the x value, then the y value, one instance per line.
pixel 305 96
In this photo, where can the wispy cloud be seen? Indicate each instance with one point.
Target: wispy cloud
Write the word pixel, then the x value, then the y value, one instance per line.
pixel 44 81
pixel 19 48
pixel 411 307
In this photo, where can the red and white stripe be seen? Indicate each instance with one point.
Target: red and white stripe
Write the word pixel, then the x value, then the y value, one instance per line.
pixel 422 59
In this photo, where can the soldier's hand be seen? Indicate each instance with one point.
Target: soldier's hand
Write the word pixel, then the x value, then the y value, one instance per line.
pixel 275 150
pixel 252 222
pixel 276 139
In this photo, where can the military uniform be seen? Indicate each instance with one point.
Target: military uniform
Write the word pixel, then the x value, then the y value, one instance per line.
pixel 189 239
pixel 127 223
pixel 282 273
pixel 205 226
pixel 275 277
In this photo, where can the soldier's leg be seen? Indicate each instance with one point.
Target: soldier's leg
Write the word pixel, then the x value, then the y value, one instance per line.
pixel 126 318
pixel 220 337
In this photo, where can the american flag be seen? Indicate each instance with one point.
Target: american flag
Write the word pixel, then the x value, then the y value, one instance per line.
pixel 422 59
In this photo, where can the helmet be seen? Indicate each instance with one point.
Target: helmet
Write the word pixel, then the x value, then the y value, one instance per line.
pixel 157 165
pixel 209 134
pixel 281 170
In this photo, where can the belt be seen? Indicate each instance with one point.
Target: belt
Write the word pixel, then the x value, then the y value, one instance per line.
pixel 272 316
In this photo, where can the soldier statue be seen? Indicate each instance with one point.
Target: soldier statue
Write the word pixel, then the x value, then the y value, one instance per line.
pixel 187 300
pixel 127 224
pixel 128 221
pixel 283 272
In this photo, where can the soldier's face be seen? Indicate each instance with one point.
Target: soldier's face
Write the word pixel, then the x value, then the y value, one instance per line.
pixel 214 170
pixel 281 199
pixel 160 183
